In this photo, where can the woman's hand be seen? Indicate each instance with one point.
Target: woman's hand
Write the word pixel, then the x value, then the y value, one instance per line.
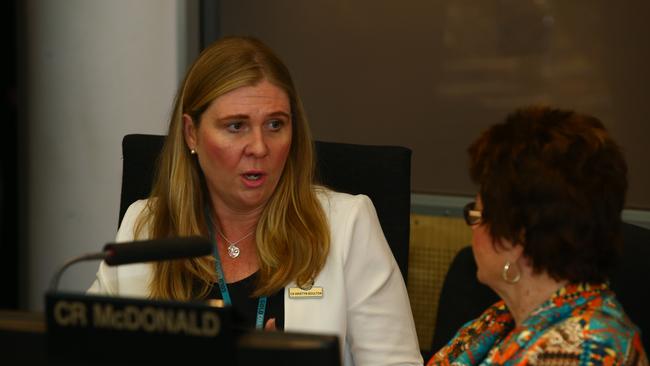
pixel 270 325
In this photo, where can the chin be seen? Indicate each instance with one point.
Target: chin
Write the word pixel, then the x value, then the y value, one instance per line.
pixel 255 201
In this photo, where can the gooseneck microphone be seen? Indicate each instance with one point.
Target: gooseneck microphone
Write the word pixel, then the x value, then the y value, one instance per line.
pixel 142 251
pixel 156 250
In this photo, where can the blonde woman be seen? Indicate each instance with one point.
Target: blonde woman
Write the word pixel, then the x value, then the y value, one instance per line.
pixel 237 166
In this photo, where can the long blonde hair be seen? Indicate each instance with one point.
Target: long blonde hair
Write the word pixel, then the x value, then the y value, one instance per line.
pixel 292 235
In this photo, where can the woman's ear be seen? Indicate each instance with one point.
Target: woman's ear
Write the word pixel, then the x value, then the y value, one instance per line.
pixel 517 251
pixel 514 249
pixel 189 131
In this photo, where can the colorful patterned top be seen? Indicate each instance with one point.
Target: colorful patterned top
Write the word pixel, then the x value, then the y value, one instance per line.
pixel 581 325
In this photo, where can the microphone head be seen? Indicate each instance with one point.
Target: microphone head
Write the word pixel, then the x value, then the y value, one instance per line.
pixel 156 250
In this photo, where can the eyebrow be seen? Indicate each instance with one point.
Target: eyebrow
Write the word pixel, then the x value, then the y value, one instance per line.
pixel 245 116
pixel 281 114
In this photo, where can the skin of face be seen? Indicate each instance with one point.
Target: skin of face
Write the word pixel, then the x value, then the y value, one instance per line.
pixel 490 257
pixel 242 143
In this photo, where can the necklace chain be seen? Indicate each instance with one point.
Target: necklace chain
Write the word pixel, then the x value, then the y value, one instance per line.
pixel 233 249
pixel 234 242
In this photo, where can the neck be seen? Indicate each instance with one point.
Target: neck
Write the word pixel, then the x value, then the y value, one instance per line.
pixel 235 224
pixel 528 294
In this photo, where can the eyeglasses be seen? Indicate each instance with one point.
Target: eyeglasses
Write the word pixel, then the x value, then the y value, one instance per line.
pixel 472 216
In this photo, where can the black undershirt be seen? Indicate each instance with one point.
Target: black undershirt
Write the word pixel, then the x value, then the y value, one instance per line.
pixel 245 306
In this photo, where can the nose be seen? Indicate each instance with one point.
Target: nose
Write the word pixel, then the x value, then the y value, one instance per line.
pixel 257 146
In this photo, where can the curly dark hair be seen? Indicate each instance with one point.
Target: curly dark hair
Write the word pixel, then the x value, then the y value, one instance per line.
pixel 554 182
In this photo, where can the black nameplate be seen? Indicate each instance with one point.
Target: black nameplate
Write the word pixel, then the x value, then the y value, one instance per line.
pixel 98 329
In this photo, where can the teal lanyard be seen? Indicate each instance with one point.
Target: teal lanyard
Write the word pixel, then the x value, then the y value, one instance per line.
pixel 221 279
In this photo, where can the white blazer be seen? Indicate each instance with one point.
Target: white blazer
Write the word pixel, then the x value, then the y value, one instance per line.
pixel 364 298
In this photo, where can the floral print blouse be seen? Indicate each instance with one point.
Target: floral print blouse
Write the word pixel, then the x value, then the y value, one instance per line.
pixel 580 325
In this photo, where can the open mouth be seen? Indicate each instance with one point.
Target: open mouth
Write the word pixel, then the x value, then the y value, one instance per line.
pixel 253 176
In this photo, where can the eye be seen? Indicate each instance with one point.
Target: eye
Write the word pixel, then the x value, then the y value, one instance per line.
pixel 236 126
pixel 275 125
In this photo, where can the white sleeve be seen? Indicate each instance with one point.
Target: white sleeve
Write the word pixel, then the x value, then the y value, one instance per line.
pixel 107 282
pixel 380 323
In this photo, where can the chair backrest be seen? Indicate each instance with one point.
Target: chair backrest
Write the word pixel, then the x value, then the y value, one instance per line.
pixel 463 298
pixel 383 173
pixel 631 276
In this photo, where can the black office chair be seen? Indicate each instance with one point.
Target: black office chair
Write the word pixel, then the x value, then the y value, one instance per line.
pixel 463 298
pixel 383 173
pixel 630 278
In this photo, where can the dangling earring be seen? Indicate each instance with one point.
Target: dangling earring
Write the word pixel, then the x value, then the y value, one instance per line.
pixel 504 274
pixel 192 151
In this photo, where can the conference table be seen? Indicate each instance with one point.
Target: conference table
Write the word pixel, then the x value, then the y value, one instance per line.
pixel 22 338
pixel 26 340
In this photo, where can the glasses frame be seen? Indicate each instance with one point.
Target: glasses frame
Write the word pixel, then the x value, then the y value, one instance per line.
pixel 472 217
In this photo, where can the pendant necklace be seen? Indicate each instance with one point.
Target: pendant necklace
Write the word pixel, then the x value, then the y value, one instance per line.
pixel 233 249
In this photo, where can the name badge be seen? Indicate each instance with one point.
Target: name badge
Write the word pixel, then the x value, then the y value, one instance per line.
pixel 312 293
